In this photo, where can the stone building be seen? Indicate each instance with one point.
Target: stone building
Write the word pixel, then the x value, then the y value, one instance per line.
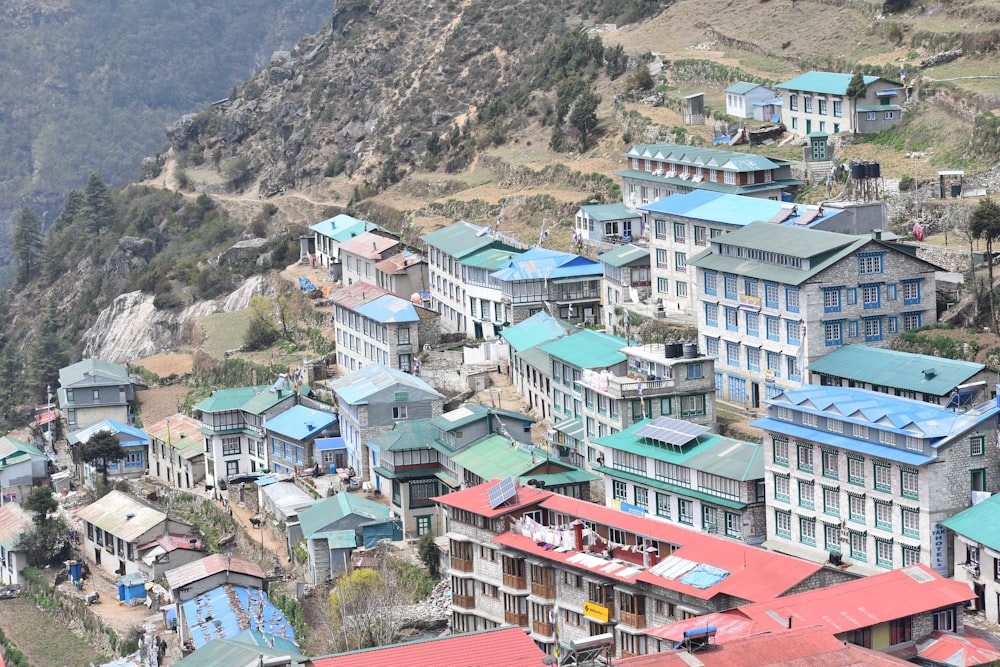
pixel 361 253
pixel 818 102
pixel 177 451
pixel 627 280
pixel 974 536
pixel 530 368
pixel 773 299
pixel 864 480
pixel 403 274
pixel 92 390
pixel 330 233
pixel 564 284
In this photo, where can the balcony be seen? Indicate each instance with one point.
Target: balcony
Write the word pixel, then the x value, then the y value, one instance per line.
pixel 514 582
pixel 541 628
pixel 464 601
pixel 461 564
pixel 513 618
pixel 544 591
pixel 637 621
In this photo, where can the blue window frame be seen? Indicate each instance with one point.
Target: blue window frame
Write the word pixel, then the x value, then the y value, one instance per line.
pixel 911 321
pixel 890 292
pixel 774 364
pixel 729 283
pixel 792 299
pixel 870 263
pixel 771 295
pixel 852 329
pixel 773 328
pixel 711 283
pixel 871 296
pixel 711 314
pixel 873 329
pixel 831 299
pixel 794 371
pixel 833 333
pixel 718 382
pixel 911 292
pixel 733 354
pixel 892 324
pixel 793 332
pixel 712 347
pixel 753 323
pixel 732 319
pixel 852 295
pixel 753 358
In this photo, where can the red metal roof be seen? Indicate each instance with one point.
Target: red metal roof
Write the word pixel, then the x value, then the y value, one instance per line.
pixel 356 295
pixel 398 262
pixel 839 608
pixel 476 500
pixel 966 650
pixel 754 574
pixel 171 542
pixel 502 647
pixel 209 565
pixel 805 647
pixel 368 245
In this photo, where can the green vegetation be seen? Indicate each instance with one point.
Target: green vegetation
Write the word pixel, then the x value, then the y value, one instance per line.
pixel 292 609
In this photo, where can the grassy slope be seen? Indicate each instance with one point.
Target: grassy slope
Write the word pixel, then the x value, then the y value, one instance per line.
pixel 43 642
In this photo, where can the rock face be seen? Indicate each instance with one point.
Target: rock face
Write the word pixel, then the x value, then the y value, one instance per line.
pixel 132 328
pixel 131 254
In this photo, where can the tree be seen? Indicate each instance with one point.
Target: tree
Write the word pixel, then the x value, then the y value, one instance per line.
pixel 429 554
pixel 99 209
pixel 102 449
pixel 640 79
pixel 856 89
pixel 262 331
pixel 984 223
pixel 42 503
pixel 26 245
pixel 48 351
pixel 364 607
pixel 46 543
pixel 583 117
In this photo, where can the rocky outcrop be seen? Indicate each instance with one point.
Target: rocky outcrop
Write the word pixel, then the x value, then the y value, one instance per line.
pixel 132 327
pixel 131 254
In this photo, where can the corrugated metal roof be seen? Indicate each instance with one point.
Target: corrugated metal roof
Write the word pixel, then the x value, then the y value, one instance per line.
pixel 179 431
pixel 831 83
pixel 587 349
pixel 843 442
pixel 409 434
pixel 979 522
pixel 399 263
pixel 358 385
pixel 336 539
pixel 300 423
pixel 14 451
pixel 475 499
pixel 775 185
pixel 538 359
pixel 726 209
pixel 209 565
pixel 878 107
pixel 535 330
pixel 389 309
pixel 458 239
pixel 368 245
pixel 241 652
pixel 490 258
pixel 224 612
pixel 945 648
pixel 13 522
pixel 224 400
pixel 358 294
pixel 625 254
pixel 323 444
pixel 129 436
pixel 322 514
pixel 892 368
pixel 545 264
pixel 122 515
pixel 342 227
pixel 705 157
pixel 744 87
pixel 469 413
pixel 571 427
pixel 607 212
pixel 93 372
pixel 500 647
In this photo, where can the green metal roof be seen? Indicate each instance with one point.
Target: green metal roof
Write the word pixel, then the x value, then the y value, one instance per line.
pixel 15 451
pixel 235 652
pixel 625 254
pixel 469 413
pixel 224 400
pixel 101 372
pixel 713 158
pixel 319 515
pixel 13 522
pixel 588 349
pixel 494 457
pixel 538 359
pixel 675 489
pixel 571 427
pixel 409 434
pixel 337 539
pixel 979 522
pixel 878 107
pixel 776 184
pixel 537 329
pixel 608 212
pixel 266 400
pixel 904 370
pixel 743 87
pixel 491 258
pixel 574 476
pixel 709 452
pixel 458 239
pixel 831 83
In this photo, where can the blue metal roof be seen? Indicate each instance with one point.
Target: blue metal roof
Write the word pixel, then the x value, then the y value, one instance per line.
pixel 357 386
pixel 726 209
pixel 325 444
pixel 903 456
pixel 535 330
pixel 129 436
pixel 542 263
pixel 214 616
pixel 342 227
pixel 389 308
pixel 300 423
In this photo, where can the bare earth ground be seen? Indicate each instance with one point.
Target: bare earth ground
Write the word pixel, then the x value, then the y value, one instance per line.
pixel 44 642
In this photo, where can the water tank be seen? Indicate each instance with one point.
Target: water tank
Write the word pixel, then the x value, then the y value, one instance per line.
pixel 690 350
pixel 876 170
pixel 857 170
pixel 672 350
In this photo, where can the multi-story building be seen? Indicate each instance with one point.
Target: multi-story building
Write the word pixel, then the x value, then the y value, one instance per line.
pixel 931 379
pixel 531 376
pixel 975 540
pixel 627 280
pixel 92 390
pixel 14 523
pixel 373 326
pixel 135 447
pixel 22 465
pixel 177 451
pixel 290 437
pixel 763 287
pixel 818 102
pixel 656 171
pixel 448 281
pixel 485 303
pixel 678 471
pixel 567 285
pixel 404 273
pixel 361 253
pixel 864 480
pixel 604 226
pixel 657 380
pixel 562 567
pixel 233 429
pixel 370 401
pixel 682 225
pixel 330 233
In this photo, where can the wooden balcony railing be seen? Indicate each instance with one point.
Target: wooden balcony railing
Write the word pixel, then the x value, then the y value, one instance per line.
pixel 513 618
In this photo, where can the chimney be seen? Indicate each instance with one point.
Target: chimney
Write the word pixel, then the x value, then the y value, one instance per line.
pixel 373 246
pixel 578 534
pixel 789 622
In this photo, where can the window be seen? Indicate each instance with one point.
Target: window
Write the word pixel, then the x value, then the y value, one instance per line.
pixel 661 228
pixel 732 319
pixel 911 555
pixel 641 496
pixel 807 104
pixel 805 457
pixel 871 296
pixel 793 102
pixel 679 232
pixel 795 123
pixel 834 425
pixel 831 537
pixel 852 329
pixel 870 115
pixel 709 519
pixel 773 328
pixel 619 490
pixel 782 523
pixel 889 115
pixel 733 354
pixel 680 261
pixel 399 412
pixel 856 470
pixel 771 295
pixel 730 285
pixel 663 505
pixel 662 285
pixel 781 487
pixel 753 323
pixel 883 515
pixel 712 347
pixel 682 289
pixel 699 236
pixel 793 331
pixel 837 108
pixel 807 531
pixel 977 445
pixel 909 483
pixel 911 521
pixel 693 406
pixel 231 447
pixel 831 299
pixel 856 507
pixel 821 108
pixel 892 324
pixel 945 620
pixel 831 464
pixel 831 501
pixel 685 511
pixel 792 299
pixel 859 545
pixel 900 630
pixel 869 263
pixel 662 258
pixel 873 329
pixel 807 494
pixel 753 358
pixel 978 479
pixel 882 477
pixel 711 283
pixel 711 315
pixel 911 321
pixel 860 431
pixel 781 451
pixel 793 369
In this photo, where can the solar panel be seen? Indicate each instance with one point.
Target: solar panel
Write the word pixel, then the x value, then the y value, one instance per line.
pixel 501 492
pixel 671 431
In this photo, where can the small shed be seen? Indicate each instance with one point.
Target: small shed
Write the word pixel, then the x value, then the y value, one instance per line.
pixel 331 454
pixel 743 95
pixel 694 109
pixel 132 589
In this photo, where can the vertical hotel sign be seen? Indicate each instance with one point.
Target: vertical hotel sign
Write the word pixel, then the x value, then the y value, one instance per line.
pixel 939 549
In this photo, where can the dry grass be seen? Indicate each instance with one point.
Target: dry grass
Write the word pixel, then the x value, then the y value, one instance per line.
pixel 41 639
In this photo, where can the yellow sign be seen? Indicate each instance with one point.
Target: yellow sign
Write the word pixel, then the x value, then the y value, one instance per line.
pixel 596 611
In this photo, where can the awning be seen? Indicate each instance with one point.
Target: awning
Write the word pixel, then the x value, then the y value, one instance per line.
pixel 448 479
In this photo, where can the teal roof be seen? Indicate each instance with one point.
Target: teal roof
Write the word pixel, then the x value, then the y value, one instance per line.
pixel 409 434
pixel 708 452
pixel 343 227
pixel 301 423
pixel 491 258
pixel 357 386
pixel 981 522
pixel 831 83
pixel 494 457
pixel 337 539
pixel 15 451
pixel 537 329
pixel 469 413
pixel 265 400
pixel 892 368
pixel 776 184
pixel 459 239
pixel 319 515
pixel 608 212
pixel 571 427
pixel 714 158
pixel 98 372
pixel 743 87
pixel 625 254
pixel 538 359
pixel 240 650
pixel 224 400
pixel 588 349
pixel 878 107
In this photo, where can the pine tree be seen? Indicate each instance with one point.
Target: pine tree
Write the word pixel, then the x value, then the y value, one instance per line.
pixel 48 351
pixel 26 245
pixel 99 209
pixel 583 117
pixel 856 89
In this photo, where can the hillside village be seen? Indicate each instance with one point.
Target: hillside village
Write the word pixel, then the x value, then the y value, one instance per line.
pixel 691 441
